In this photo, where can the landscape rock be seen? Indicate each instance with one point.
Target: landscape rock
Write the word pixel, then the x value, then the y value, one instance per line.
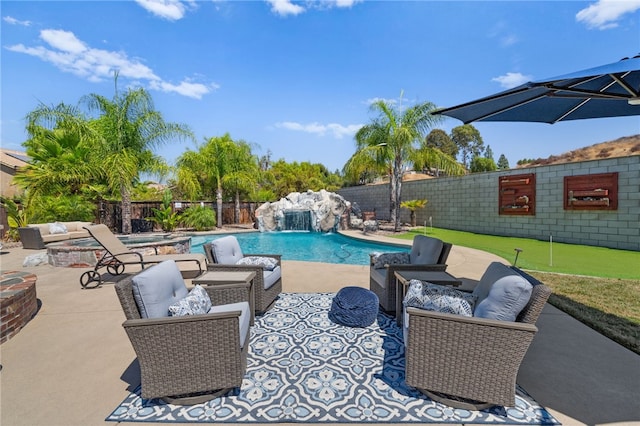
pixel 312 211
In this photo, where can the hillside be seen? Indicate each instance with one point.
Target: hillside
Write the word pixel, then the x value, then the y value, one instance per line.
pixel 622 147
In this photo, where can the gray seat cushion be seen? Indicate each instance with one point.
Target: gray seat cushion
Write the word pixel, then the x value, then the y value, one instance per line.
pixel 271 277
pixel 226 250
pixel 245 317
pixel 157 288
pixel 425 250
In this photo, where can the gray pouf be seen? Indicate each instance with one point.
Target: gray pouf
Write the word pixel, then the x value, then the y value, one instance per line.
pixel 354 307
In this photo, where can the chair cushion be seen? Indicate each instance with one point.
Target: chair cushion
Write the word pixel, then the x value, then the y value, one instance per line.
pixel 440 298
pixel 226 250
pixel 245 317
pixel 425 250
pixel 506 299
pixel 157 288
pixel 382 259
pixel 271 277
pixel 197 302
pixel 267 263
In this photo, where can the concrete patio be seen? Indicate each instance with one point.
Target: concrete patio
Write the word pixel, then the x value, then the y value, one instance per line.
pixel 73 363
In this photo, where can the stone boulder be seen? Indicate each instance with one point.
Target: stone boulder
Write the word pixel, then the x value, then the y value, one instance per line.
pixel 316 211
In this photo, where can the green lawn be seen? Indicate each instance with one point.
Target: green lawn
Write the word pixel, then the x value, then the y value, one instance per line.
pixel 542 256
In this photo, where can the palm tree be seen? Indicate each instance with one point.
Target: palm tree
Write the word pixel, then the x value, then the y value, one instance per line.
pixel 412 206
pixel 120 138
pixel 389 142
pixel 129 127
pixel 199 172
pixel 242 173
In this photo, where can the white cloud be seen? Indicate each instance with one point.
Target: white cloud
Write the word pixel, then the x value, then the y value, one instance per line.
pixel 337 130
pixel 603 14
pixel 285 7
pixel 14 21
pixel 288 7
pixel 167 9
pixel 372 101
pixel 70 54
pixel 512 79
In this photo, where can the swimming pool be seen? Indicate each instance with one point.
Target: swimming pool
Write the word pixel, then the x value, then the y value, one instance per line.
pixel 304 246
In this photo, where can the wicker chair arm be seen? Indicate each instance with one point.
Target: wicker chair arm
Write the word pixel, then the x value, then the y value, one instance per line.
pixel 414 267
pixel 461 319
pixel 186 319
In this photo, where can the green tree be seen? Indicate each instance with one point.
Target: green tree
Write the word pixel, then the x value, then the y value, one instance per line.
pixel 439 139
pixel 482 164
pixel 468 140
pixel 242 172
pixel 488 152
pixel 503 163
pixel 120 134
pixel 129 128
pixel 388 142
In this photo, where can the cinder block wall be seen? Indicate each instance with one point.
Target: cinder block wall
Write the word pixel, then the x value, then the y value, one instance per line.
pixel 470 203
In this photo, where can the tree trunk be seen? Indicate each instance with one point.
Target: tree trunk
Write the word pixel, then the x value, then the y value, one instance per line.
pixel 413 218
pixel 236 213
pixel 397 174
pixel 126 209
pixel 219 207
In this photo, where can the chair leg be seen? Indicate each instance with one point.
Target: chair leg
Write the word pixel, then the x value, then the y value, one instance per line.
pixel 452 401
pixel 197 398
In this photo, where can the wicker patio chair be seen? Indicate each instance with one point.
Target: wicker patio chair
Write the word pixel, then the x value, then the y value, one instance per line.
pixel 117 256
pixel 427 254
pixel 194 358
pixel 222 255
pixel 469 362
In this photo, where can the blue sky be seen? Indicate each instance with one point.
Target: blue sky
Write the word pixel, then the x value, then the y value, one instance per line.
pixel 297 78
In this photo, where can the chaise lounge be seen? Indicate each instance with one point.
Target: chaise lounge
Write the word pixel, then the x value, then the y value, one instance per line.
pixel 118 256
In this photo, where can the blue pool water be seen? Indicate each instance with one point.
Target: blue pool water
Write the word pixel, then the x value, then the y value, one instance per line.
pixel 305 246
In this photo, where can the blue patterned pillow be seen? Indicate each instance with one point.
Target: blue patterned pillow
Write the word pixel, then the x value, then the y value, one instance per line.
pixel 382 259
pixel 197 302
pixel 267 263
pixel 440 298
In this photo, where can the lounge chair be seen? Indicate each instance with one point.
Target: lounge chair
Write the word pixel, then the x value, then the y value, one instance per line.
pixel 192 358
pixel 427 254
pixel 118 256
pixel 224 254
pixel 472 362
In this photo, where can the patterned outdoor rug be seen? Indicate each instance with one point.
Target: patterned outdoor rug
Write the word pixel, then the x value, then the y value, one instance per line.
pixel 304 368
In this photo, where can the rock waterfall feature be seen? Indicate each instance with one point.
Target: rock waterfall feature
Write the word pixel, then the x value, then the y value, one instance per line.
pixel 303 211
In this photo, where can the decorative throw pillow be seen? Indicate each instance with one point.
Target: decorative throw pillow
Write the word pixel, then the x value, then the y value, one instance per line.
pixel 268 263
pixel 390 259
pixel 57 228
pixel 197 302
pixel 440 298
pixel 506 299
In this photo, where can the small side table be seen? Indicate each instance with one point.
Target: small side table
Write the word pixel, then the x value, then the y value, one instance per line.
pixel 404 277
pixel 219 278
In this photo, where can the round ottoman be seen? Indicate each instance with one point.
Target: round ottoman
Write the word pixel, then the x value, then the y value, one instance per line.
pixel 354 307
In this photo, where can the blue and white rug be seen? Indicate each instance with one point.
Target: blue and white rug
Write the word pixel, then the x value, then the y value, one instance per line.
pixel 303 368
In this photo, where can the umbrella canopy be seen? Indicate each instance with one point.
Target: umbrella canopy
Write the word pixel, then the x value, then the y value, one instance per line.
pixel 611 90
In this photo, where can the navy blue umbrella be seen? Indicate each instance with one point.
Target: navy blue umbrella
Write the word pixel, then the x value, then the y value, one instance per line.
pixel 607 91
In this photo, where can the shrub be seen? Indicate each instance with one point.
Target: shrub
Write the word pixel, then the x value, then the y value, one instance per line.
pixel 199 218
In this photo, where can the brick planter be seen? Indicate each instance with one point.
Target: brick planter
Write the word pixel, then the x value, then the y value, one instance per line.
pixel 19 302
